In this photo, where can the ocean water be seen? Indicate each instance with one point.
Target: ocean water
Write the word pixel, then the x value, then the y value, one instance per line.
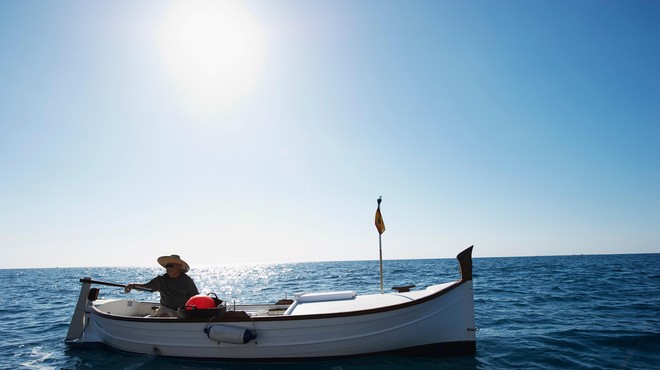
pixel 563 312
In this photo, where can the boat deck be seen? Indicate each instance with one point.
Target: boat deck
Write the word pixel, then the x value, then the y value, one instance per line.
pixel 319 304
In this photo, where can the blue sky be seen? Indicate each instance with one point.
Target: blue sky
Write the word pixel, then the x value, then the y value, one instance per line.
pixel 264 131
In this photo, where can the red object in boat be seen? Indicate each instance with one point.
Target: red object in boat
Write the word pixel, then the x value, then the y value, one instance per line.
pixel 200 301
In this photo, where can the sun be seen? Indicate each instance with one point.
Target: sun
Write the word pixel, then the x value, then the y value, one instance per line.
pixel 213 51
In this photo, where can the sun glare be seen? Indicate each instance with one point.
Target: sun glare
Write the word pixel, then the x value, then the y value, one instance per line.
pixel 213 51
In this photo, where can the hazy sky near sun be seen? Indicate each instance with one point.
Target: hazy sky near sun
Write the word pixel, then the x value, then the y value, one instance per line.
pixel 264 131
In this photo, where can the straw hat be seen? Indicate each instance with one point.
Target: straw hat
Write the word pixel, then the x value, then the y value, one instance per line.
pixel 175 259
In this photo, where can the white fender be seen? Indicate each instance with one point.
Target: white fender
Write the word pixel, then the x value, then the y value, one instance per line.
pixel 229 334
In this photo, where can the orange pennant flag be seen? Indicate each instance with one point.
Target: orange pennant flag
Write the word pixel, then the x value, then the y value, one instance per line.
pixel 380 225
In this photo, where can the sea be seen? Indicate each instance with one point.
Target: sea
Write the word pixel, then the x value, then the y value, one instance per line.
pixel 552 312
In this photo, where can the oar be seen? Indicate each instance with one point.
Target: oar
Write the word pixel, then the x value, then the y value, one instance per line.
pixel 88 280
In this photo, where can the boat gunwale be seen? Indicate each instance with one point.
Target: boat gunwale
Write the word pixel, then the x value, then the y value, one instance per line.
pixel 227 317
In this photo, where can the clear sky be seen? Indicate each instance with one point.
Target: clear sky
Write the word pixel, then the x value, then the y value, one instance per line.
pixel 264 131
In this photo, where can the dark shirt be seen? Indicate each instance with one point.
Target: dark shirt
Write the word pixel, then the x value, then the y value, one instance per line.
pixel 174 292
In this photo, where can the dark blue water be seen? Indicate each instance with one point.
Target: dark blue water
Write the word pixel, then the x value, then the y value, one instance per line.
pixel 578 312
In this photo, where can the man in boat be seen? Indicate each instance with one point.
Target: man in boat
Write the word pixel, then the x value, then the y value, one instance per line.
pixel 175 286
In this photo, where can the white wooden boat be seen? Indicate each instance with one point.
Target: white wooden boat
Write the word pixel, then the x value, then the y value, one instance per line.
pixel 437 321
